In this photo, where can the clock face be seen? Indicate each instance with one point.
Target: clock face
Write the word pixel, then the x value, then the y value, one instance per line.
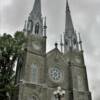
pixel 55 74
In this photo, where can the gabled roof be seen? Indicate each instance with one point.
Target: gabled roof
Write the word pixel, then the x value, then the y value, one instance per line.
pixel 56 55
pixel 69 24
pixel 55 50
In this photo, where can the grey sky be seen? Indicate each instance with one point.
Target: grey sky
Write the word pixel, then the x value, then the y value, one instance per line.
pixel 86 19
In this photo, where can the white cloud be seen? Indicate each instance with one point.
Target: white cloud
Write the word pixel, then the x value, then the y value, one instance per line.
pixel 98 19
pixel 5 3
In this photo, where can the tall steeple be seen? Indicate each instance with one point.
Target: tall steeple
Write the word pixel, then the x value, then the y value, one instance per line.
pixel 36 11
pixel 70 38
pixel 69 24
pixel 35 21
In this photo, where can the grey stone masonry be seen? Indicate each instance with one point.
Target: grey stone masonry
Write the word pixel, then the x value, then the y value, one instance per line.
pixel 39 73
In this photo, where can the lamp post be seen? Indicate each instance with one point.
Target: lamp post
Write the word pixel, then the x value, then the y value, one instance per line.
pixel 59 93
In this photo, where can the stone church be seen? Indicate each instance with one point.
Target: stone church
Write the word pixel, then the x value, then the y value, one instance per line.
pixel 39 73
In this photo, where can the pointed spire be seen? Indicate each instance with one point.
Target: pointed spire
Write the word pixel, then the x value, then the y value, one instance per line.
pixel 35 20
pixel 70 37
pixel 36 8
pixel 25 26
pixel 69 24
pixel 61 44
pixel 80 42
pixel 67 6
pixel 45 22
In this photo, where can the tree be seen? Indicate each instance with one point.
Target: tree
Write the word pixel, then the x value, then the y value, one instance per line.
pixel 11 48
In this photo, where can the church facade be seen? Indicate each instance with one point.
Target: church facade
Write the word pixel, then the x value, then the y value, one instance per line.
pixel 39 73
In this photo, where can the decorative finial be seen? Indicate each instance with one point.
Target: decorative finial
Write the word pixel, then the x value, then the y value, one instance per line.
pixel 59 93
pixel 61 44
pixel 67 6
pixel 56 45
pixel 80 42
pixel 45 27
pixel 25 26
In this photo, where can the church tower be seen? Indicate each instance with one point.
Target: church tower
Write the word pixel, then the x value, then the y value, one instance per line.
pixel 31 65
pixel 73 55
pixel 35 21
pixel 39 73
pixel 70 38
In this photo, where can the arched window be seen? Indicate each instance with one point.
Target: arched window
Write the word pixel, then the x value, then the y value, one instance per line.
pixel 34 73
pixel 30 26
pixel 37 28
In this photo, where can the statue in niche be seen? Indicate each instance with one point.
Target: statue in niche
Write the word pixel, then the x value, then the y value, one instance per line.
pixel 74 41
pixel 37 28
pixel 66 42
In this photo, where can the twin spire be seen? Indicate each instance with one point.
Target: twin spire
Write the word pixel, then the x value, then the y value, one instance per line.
pixel 35 26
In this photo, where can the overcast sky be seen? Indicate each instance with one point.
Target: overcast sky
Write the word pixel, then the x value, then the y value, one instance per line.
pixel 86 20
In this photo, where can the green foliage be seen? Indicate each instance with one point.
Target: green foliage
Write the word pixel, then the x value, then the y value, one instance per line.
pixel 10 48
